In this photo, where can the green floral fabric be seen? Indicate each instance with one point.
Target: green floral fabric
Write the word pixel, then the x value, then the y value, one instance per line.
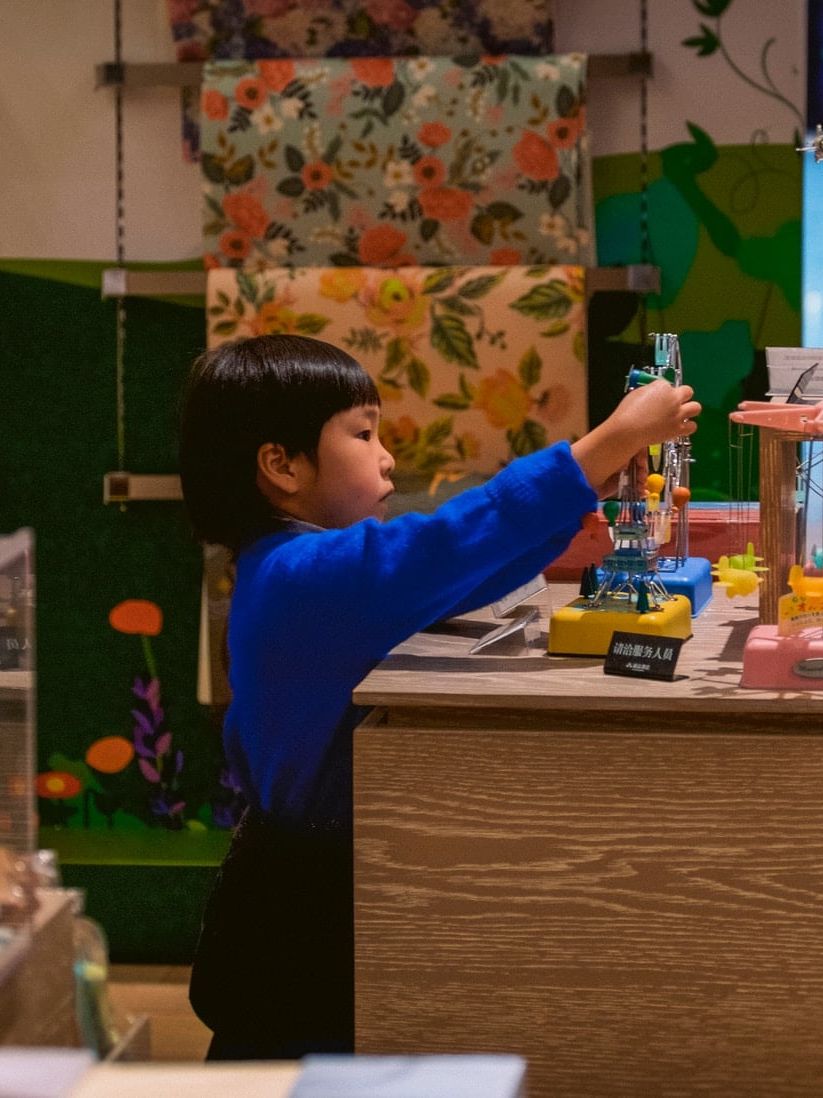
pixel 253 30
pixel 475 365
pixel 393 162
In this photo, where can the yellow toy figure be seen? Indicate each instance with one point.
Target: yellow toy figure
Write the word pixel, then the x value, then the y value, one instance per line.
pixel 738 573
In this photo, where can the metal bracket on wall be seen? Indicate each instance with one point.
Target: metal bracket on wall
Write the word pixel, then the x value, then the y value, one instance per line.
pixel 638 278
pixel 635 278
pixel 119 282
pixel 189 74
pixel 123 487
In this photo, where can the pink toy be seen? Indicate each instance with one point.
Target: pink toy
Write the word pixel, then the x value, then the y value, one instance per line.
pixel 774 662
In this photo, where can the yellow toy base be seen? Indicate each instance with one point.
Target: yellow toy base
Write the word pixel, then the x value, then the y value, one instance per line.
pixel 578 630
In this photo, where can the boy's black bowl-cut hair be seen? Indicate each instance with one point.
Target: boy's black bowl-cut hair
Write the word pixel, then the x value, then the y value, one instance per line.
pixel 240 395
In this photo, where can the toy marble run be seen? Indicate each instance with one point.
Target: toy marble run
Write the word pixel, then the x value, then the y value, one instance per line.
pixel 636 589
pixel 785 651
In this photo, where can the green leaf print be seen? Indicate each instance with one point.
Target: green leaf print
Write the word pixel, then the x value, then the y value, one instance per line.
pixel 479 287
pixel 294 158
pixel 450 337
pixel 530 367
pixel 530 437
pixel 212 168
pixel 546 302
pixel 418 375
pixel 311 323
pixel 241 171
pixel 438 281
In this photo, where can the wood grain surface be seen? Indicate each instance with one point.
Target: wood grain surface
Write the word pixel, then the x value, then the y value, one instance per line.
pixel 631 897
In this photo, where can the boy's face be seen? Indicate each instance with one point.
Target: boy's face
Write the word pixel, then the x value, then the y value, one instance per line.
pixel 350 479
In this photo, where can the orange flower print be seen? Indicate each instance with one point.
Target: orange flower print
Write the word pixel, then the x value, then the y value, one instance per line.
pixel 341 283
pixel 535 157
pixel 246 213
pixel 433 134
pixel 275 318
pixel 394 14
pixel 429 171
pixel 395 432
pixel 211 262
pixel 503 400
pixel 234 244
pixel 397 305
pixel 376 72
pixel 137 616
pixel 110 754
pixel 493 58
pixel 554 404
pixel 276 74
pixel 251 92
pixel 380 245
pixel 505 257
pixel 576 280
pixel 56 785
pixel 316 176
pixel 445 203
pixel 389 394
pixel 563 132
pixel 214 105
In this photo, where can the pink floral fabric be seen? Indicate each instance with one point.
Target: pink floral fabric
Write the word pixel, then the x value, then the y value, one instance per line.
pixel 392 162
pixel 475 365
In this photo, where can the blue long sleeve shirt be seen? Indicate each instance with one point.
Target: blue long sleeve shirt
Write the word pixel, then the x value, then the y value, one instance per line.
pixel 315 610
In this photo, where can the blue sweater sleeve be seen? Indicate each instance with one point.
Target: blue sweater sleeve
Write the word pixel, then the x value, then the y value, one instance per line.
pixel 373 584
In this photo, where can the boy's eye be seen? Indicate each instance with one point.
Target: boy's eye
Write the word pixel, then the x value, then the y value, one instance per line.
pixel 365 435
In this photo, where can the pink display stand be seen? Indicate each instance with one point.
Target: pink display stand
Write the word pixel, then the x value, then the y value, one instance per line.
pixel 772 662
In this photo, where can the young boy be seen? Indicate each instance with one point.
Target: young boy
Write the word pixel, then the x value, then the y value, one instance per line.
pixel 281 462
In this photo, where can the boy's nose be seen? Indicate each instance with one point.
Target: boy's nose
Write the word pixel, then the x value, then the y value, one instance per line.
pixel 387 461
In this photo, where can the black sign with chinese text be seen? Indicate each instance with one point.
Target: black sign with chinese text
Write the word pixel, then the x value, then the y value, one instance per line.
pixel 643 656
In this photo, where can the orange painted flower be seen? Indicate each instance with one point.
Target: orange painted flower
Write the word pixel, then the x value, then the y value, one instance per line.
pixel 214 105
pixel 563 132
pixel 554 404
pixel 396 304
pixel 503 400
pixel 251 92
pixel 137 616
pixel 576 281
pixel 341 283
pixel 235 244
pixel 394 432
pixel 389 394
pixel 433 134
pixel 380 245
pixel 377 72
pixel 445 203
pixel 275 318
pixel 211 262
pixel 429 171
pixel 535 157
pixel 246 212
pixel 276 74
pixel 110 754
pixel 316 175
pixel 505 257
pixel 57 785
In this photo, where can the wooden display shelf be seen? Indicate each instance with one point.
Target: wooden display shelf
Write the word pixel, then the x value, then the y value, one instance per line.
pixel 616 878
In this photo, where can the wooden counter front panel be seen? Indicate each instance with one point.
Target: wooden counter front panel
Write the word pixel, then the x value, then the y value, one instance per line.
pixel 637 914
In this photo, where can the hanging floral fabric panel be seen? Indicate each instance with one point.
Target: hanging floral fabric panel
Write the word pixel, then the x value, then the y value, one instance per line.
pixel 393 162
pixel 475 365
pixel 258 29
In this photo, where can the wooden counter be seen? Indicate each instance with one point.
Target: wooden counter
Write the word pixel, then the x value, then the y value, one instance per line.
pixel 621 880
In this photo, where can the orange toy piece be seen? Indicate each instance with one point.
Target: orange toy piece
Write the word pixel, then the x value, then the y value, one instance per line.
pixel 680 496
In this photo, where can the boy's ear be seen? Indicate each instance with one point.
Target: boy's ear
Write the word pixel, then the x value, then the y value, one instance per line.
pixel 276 470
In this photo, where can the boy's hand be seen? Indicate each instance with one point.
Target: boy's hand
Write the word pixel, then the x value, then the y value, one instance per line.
pixel 656 412
pixel 647 415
